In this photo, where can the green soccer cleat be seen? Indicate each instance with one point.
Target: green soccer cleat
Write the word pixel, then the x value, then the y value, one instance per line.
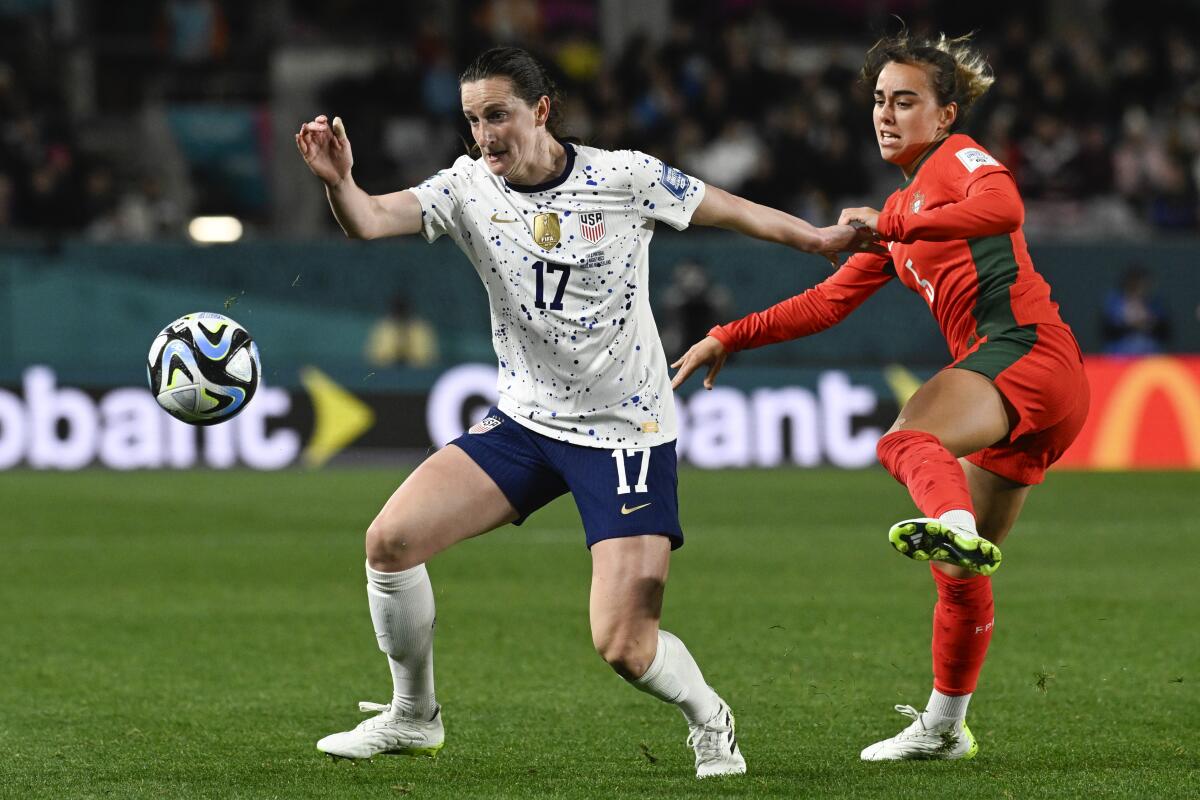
pixel 927 539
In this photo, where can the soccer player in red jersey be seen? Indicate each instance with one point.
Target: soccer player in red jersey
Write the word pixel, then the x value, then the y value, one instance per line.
pixel 975 438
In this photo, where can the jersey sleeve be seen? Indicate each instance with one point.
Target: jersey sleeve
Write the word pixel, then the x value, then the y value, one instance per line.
pixel 441 197
pixel 821 307
pixel 973 163
pixel 662 192
pixel 991 206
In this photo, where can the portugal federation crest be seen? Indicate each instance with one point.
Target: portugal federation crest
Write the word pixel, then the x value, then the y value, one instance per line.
pixel 917 202
pixel 591 226
pixel 546 232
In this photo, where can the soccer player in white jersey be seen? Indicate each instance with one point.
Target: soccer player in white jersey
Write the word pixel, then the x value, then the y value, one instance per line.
pixel 559 234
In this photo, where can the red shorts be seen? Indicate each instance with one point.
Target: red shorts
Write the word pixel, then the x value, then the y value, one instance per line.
pixel 1046 385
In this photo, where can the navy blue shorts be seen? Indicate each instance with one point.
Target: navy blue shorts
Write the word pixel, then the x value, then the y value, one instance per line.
pixel 627 492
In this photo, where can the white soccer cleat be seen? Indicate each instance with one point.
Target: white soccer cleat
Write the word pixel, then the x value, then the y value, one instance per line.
pixel 387 734
pixel 715 743
pixel 945 741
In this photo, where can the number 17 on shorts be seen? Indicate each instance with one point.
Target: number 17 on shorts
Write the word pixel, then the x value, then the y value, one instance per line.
pixel 642 453
pixel 635 495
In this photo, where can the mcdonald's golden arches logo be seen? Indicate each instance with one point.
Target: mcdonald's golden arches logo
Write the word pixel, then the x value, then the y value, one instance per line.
pixel 1120 421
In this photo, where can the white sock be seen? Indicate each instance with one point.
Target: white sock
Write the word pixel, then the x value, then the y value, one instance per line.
pixel 674 677
pixel 960 518
pixel 943 708
pixel 403 614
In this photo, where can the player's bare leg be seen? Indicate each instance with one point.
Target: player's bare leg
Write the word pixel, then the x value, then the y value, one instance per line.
pixel 998 502
pixel 447 499
pixel 962 629
pixel 955 413
pixel 629 575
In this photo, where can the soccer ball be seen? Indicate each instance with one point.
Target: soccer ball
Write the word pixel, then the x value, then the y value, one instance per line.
pixel 203 368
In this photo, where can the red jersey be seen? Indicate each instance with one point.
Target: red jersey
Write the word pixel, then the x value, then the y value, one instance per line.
pixel 953 233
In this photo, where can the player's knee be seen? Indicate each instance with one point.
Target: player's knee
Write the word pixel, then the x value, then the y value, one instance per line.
pixel 390 548
pixel 627 655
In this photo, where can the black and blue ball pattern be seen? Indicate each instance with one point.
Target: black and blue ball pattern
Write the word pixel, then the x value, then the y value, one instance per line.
pixel 203 368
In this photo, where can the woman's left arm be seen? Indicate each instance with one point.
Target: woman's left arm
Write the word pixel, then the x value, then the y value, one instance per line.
pixel 992 206
pixel 721 209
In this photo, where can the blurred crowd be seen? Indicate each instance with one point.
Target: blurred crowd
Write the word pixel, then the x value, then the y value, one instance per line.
pixel 1096 113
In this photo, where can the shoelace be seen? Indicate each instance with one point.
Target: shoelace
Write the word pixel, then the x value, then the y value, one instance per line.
pixel 364 705
pixel 372 722
pixel 944 740
pixel 396 726
pixel 709 739
pixel 918 725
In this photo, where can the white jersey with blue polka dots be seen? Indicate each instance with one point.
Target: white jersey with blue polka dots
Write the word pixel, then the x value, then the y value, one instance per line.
pixel 566 265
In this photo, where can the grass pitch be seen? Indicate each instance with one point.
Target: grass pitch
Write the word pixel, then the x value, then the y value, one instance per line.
pixel 191 635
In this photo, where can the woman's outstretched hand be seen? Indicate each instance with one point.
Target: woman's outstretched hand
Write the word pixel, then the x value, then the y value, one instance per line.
pixel 708 350
pixel 848 237
pixel 863 216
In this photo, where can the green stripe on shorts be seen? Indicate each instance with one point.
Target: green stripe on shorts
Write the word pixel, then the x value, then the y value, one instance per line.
pixel 1001 351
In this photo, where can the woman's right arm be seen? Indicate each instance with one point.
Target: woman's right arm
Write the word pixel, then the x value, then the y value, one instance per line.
pixel 326 149
pixel 821 307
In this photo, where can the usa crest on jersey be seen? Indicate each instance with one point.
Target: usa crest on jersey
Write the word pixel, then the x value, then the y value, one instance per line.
pixel 591 226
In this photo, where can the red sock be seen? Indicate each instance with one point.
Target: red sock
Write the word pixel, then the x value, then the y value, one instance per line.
pixel 928 470
pixel 962 628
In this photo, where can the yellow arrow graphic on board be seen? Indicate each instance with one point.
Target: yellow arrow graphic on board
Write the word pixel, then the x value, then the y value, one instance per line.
pixel 339 417
pixel 902 382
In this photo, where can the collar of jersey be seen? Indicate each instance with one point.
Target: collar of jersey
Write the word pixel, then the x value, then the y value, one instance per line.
pixel 553 182
pixel 924 158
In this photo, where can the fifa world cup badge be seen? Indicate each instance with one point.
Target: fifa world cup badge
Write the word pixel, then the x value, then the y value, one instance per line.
pixel 918 201
pixel 546 231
